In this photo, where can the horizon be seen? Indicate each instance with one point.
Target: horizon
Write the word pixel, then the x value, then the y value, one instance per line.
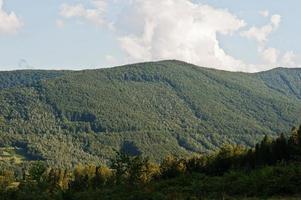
pixel 137 63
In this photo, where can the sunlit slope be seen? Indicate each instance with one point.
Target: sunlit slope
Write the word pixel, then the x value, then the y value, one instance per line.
pixel 152 108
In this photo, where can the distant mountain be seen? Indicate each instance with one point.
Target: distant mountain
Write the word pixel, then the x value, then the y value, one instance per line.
pixel 155 108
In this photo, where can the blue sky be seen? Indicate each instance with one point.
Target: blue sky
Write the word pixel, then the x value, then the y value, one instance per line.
pixel 234 35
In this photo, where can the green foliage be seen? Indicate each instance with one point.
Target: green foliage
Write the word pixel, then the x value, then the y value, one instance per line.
pixel 6 178
pixel 71 122
pixel 152 109
pixel 133 170
pixel 103 176
pixel 36 171
pixel 172 167
pixel 11 79
pixel 226 174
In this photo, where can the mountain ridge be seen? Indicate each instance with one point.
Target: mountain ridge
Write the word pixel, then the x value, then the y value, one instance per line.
pixel 137 63
pixel 154 108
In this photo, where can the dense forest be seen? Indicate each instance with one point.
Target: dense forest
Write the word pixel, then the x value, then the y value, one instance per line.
pixel 272 168
pixel 66 118
pixel 158 130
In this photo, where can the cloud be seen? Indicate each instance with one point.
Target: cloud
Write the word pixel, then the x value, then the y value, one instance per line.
pixel 111 60
pixel 264 13
pixel 289 59
pixel 179 29
pixel 94 15
pixel 273 57
pixel 276 19
pixel 270 55
pixel 60 23
pixel 260 34
pixel 10 23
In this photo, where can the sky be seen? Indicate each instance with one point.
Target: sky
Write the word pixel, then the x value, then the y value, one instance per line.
pixel 234 35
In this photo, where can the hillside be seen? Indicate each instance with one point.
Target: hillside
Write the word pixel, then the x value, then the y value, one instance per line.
pixel 158 108
pixel 10 79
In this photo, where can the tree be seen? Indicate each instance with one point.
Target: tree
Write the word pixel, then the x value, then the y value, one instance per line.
pixel 133 169
pixel 119 165
pixel 83 177
pixel 172 167
pixel 226 158
pixel 102 177
pixel 6 178
pixel 264 152
pixel 280 149
pixel 37 170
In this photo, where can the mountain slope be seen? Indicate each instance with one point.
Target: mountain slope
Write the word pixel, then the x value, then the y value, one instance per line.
pixel 10 79
pixel 158 108
pixel 285 81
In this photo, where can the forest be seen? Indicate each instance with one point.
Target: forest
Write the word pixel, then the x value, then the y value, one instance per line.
pixel 66 118
pixel 271 169
pixel 156 130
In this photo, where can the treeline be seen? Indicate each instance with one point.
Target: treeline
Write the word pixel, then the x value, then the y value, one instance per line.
pixel 271 168
pixel 9 79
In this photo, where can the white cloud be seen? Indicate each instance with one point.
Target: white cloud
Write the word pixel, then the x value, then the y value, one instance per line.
pixel 94 15
pixel 273 57
pixel 10 23
pixel 260 34
pixel 270 55
pixel 110 59
pixel 150 30
pixel 275 20
pixel 180 29
pixel 289 59
pixel 264 13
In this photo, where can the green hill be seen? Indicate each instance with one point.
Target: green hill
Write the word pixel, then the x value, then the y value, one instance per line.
pixel 157 108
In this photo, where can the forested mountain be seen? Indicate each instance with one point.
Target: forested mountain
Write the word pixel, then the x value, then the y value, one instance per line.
pixel 154 109
pixel 10 79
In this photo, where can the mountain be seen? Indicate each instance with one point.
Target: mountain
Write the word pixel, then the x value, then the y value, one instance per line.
pixel 154 109
pixel 10 79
